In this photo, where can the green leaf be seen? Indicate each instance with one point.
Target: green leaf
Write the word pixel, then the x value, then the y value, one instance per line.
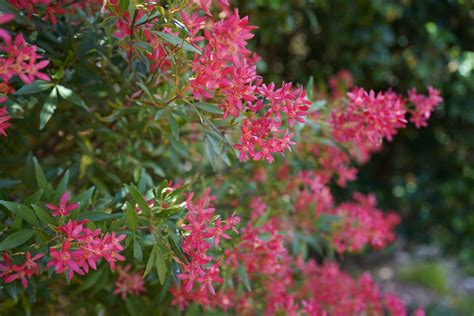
pixel 179 42
pixel 309 88
pixel 43 215
pixel 137 250
pixel 5 183
pixel 131 217
pixel 40 177
pixel 173 125
pixel 160 265
pixel 98 216
pixel 211 108
pixel 16 239
pixel 138 198
pixel 21 210
pixel 62 186
pixel 150 262
pixel 91 279
pixel 72 97
pixel 262 219
pixel 35 87
pixel 210 151
pixel 123 6
pixel 12 290
pixel 244 277
pixel 83 198
pixel 178 146
pixel 48 108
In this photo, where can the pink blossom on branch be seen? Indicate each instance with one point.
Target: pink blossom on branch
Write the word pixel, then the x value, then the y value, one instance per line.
pixel 424 105
pixel 9 273
pixel 62 209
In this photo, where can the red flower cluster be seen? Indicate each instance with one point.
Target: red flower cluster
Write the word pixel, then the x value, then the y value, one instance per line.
pixel 82 248
pixel 362 223
pixel 344 295
pixel 369 118
pixel 227 71
pixel 199 228
pixel 358 223
pixel 50 10
pixel 424 105
pixel 23 272
pixel 128 282
pixel 17 58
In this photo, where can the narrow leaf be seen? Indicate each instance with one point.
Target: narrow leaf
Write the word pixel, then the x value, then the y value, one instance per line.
pixel 137 250
pixel 131 217
pixel 160 265
pixel 72 97
pixel 16 239
pixel 179 42
pixel 40 177
pixel 43 215
pixel 138 198
pixel 35 87
pixel 21 210
pixel 151 261
pixel 211 108
pixel 49 107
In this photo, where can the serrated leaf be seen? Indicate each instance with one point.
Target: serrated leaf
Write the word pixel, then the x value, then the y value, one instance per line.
pixel 179 42
pixel 35 87
pixel 160 265
pixel 21 210
pixel 72 97
pixel 43 215
pixel 16 239
pixel 138 198
pixel 151 261
pixel 49 107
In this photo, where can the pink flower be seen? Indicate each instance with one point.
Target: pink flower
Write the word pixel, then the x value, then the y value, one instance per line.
pixel 424 105
pixel 25 271
pixel 64 260
pixel 6 17
pixel 63 209
pixel 128 282
pixel 395 305
pixel 4 118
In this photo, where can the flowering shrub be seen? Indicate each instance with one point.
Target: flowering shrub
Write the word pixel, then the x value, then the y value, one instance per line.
pixel 147 195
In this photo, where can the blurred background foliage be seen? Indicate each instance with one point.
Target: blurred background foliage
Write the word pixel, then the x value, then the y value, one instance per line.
pixel 426 174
